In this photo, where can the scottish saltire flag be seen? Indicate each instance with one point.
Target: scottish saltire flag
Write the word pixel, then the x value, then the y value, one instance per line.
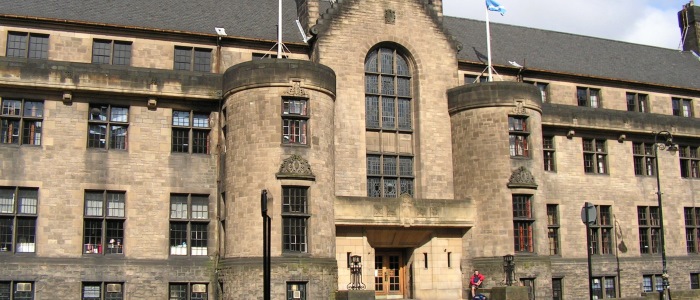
pixel 492 5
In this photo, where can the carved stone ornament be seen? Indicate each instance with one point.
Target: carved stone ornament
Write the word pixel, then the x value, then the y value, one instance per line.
pixel 296 167
pixel 522 178
pixel 390 16
pixel 296 91
pixel 519 109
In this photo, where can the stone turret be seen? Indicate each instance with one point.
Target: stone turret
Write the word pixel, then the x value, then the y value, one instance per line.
pixel 689 22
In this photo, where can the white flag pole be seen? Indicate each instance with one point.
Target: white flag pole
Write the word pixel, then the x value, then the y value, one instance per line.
pixel 279 31
pixel 488 44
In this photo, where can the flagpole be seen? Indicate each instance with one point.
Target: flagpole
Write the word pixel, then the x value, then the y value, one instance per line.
pixel 488 44
pixel 279 31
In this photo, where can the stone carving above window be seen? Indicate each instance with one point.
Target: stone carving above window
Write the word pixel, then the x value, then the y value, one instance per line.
pixel 296 91
pixel 295 167
pixel 519 109
pixel 522 178
pixel 390 16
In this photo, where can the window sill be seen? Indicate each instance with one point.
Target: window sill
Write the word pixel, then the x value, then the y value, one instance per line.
pixel 288 253
pixel 295 145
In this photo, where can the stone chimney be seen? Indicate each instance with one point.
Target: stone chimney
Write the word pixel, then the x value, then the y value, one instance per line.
pixel 689 22
pixel 307 12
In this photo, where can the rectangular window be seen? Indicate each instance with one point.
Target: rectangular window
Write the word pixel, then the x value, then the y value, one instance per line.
pixel 651 283
pixel 191 132
pixel 692 229
pixel 111 52
pixel 548 152
pixel 649 229
pixel 27 45
pixel 189 223
pixel 543 87
pixel 553 228
pixel 690 161
pixel 21 121
pixel 469 79
pixel 682 107
pixel 16 290
pixel 18 216
pixel 644 159
pixel 637 102
pixel 108 127
pixel 694 281
pixel 519 135
pixel 192 59
pixel 603 287
pixel 103 231
pixel 595 156
pixel 188 291
pixel 601 231
pixel 523 223
pixel 530 284
pixel 389 176
pixel 557 292
pixel 295 118
pixel 296 290
pixel 295 218
pixel 588 97
pixel 102 291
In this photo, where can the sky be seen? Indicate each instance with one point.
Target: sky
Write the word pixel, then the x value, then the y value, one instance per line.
pixel 647 22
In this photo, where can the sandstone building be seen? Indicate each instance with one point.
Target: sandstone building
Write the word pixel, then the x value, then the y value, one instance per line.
pixel 135 142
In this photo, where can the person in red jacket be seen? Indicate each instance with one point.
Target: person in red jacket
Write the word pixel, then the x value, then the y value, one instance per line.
pixel 475 282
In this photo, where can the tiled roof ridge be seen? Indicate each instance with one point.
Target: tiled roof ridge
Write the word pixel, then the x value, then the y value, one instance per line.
pixel 339 6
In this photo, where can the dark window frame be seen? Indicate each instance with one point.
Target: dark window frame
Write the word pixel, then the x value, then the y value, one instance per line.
pixel 10 289
pixel 553 226
pixel 192 59
pixel 692 229
pixel 601 231
pixel 190 134
pixel 193 222
pixel 519 136
pixel 295 219
pixel 595 156
pixel 104 231
pixel 644 159
pixel 689 158
pixel 116 52
pixel 544 89
pixel 299 287
pixel 21 125
pixel 104 290
pixel 295 121
pixel 523 223
pixel 557 288
pixel 549 153
pixel 695 280
pixel 651 281
pixel 589 97
pixel 649 230
pixel 637 102
pixel 679 105
pixel 188 291
pixel 389 113
pixel 18 219
pixel 30 45
pixel 114 119
pixel 605 287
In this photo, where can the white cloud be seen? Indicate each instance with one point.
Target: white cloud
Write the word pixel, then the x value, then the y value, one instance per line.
pixel 636 21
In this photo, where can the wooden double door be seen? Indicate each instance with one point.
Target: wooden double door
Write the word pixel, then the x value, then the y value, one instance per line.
pixel 389 275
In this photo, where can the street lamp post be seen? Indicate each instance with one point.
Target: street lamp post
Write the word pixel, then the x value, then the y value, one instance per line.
pixel 667 143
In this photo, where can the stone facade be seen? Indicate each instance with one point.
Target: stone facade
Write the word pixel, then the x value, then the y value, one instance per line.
pixel 460 215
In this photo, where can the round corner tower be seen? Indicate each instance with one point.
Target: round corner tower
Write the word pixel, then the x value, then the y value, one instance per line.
pixel 496 129
pixel 278 119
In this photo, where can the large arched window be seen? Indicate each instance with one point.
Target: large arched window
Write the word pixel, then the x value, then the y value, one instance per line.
pixel 389 124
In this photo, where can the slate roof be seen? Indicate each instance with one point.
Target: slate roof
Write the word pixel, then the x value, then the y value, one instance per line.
pixel 536 49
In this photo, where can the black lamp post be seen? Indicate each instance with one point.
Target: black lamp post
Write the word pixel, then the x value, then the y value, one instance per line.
pixel 267 224
pixel 508 268
pixel 666 143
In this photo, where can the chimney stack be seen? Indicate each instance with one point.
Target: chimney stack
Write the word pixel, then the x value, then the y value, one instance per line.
pixel 688 19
